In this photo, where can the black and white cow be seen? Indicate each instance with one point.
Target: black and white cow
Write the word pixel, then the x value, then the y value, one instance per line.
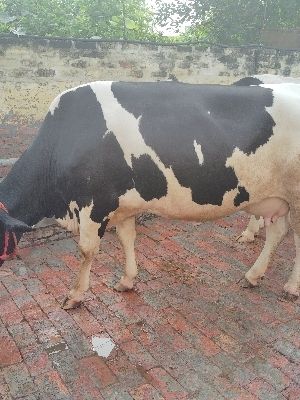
pixel 110 150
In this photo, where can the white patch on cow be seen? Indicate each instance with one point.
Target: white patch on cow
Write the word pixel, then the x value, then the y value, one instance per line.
pixel 178 204
pixel 88 229
pixel 125 127
pixel 199 153
pixel 285 113
pixel 54 104
pixel 103 346
pixel 70 224
pixel 89 239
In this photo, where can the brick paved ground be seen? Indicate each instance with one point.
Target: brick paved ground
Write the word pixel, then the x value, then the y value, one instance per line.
pixel 15 139
pixel 188 331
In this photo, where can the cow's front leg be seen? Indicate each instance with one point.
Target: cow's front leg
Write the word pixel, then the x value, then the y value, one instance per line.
pixel 127 234
pixel 89 246
pixel 275 232
pixel 75 296
pixel 291 290
pixel 252 229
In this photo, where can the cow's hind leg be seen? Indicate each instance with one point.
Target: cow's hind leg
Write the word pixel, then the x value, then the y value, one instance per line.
pixel 89 246
pixel 291 290
pixel 274 234
pixel 252 229
pixel 127 234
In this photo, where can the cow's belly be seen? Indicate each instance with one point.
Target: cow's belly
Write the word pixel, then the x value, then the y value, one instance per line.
pixel 177 204
pixel 182 207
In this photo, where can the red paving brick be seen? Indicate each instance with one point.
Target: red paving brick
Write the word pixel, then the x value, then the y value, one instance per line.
pixel 9 352
pixel 187 331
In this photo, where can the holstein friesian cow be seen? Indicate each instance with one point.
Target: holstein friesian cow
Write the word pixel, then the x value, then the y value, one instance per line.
pixel 110 150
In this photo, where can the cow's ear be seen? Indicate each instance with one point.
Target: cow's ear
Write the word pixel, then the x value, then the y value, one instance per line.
pixel 10 224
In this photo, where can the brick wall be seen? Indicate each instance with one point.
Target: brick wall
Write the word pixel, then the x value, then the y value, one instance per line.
pixel 34 70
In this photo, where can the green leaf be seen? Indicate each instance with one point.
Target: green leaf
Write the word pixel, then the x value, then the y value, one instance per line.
pixel 130 24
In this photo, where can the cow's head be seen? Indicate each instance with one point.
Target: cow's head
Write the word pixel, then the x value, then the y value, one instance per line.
pixel 11 230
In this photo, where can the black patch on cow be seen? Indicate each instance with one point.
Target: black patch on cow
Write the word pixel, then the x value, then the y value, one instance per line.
pixel 102 228
pixel 248 81
pixel 114 179
pixel 241 197
pixel 77 214
pixel 219 118
pixel 149 180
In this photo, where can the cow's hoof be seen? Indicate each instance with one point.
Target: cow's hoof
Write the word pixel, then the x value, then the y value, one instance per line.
pixel 245 238
pixel 244 283
pixel 68 303
pixel 121 288
pixel 124 285
pixel 288 296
